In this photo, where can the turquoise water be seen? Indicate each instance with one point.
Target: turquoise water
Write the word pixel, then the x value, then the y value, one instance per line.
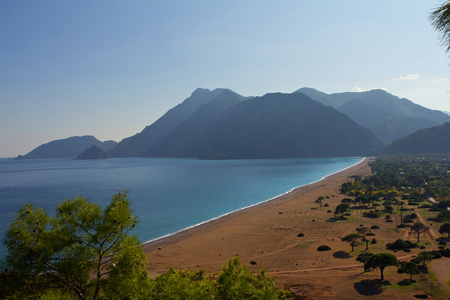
pixel 167 195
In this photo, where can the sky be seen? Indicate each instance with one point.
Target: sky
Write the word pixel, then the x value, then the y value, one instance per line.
pixel 109 68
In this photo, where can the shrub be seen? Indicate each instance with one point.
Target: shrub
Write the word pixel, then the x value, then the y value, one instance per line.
pixel 445 252
pixel 425 206
pixel 326 205
pixel 372 214
pixel 375 227
pixel 388 208
pixel 374 241
pixel 300 235
pixel 443 216
pixel 323 248
pixel 400 245
pixel 370 234
pixel 409 218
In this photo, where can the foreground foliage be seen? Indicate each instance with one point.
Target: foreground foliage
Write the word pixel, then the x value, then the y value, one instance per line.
pixel 234 282
pixel 85 252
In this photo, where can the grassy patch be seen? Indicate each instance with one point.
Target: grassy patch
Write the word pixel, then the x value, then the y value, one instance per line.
pixel 304 245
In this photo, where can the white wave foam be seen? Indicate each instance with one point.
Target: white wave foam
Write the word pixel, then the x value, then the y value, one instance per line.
pixel 246 207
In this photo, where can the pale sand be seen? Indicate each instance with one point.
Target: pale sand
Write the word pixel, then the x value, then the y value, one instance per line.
pixel 267 234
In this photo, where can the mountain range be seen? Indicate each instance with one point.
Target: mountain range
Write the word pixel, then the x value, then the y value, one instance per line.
pixel 67 148
pixel 221 124
pixel 429 140
pixel 387 116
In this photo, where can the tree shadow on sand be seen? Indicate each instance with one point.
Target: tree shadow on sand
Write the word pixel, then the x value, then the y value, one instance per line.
pixel 341 254
pixel 368 287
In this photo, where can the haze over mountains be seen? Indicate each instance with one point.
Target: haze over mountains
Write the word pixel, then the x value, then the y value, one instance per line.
pixel 387 116
pixel 429 140
pixel 222 124
pixel 68 148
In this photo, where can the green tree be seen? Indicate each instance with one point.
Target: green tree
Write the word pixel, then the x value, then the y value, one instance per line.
pixel 364 257
pixel 319 200
pixel 341 209
pixel 363 231
pixel 445 229
pixel 234 282
pixel 237 282
pixel 418 228
pixel 381 261
pixel 348 201
pixel 361 200
pixel 440 19
pixel 353 239
pixel 411 268
pixel 84 251
pixel 424 257
pixel 182 284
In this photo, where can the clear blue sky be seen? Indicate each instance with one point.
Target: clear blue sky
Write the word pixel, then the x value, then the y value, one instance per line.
pixel 110 68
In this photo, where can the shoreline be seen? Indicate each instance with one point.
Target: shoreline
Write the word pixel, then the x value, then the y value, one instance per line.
pixel 248 232
pixel 280 236
pixel 275 198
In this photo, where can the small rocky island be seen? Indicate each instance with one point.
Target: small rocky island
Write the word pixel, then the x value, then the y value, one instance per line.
pixel 93 152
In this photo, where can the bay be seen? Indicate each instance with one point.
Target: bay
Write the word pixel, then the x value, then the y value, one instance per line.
pixel 167 195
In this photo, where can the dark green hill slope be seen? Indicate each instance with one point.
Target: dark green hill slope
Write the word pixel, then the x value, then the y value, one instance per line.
pixel 429 140
pixel 67 148
pixel 273 126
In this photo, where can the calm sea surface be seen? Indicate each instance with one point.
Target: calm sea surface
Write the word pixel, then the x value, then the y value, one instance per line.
pixel 167 195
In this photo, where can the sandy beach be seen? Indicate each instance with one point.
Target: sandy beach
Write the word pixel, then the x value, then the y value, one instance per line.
pixel 267 236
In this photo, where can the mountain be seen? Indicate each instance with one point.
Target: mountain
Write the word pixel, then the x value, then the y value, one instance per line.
pixel 387 116
pixel 185 139
pixel 67 148
pixel 140 143
pixel 272 126
pixel 429 140
pixel 93 152
pixel 322 97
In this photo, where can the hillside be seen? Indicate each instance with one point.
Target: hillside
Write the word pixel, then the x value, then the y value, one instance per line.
pixel 140 143
pixel 188 138
pixel 430 140
pixel 93 152
pixel 387 116
pixel 67 148
pixel 271 126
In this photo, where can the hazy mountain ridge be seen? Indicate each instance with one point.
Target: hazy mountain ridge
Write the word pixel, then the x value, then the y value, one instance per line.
pixel 429 140
pixel 307 123
pixel 67 148
pixel 274 126
pixel 185 139
pixel 388 116
pixel 140 143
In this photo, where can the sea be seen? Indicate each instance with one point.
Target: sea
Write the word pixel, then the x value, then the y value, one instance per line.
pixel 168 195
